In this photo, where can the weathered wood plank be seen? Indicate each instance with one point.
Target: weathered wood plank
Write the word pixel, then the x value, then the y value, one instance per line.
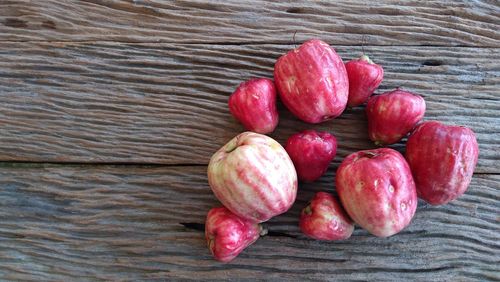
pixel 124 223
pixel 166 104
pixel 469 23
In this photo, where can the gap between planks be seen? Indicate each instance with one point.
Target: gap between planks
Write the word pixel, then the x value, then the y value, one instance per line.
pixel 255 43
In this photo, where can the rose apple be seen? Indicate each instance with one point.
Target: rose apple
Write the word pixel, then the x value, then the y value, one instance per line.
pixel 312 82
pixel 392 115
pixel 227 234
pixel 364 78
pixel 377 190
pixel 442 159
pixel 325 219
pixel 253 177
pixel 254 105
pixel 311 153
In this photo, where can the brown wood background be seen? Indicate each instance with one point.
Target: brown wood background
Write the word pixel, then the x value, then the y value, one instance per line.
pixel 110 111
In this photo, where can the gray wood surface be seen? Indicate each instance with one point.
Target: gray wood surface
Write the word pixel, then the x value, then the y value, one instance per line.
pixel 443 22
pixel 129 222
pixel 110 111
pixel 167 104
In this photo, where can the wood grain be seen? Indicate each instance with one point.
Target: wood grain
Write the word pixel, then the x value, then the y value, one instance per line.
pixel 167 103
pixel 444 23
pixel 71 223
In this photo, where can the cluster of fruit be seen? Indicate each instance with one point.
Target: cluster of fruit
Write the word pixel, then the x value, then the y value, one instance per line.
pixel 255 178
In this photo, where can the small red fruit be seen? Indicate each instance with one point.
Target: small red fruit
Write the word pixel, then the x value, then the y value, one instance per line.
pixel 228 235
pixel 364 78
pixel 311 153
pixel 254 105
pixel 312 82
pixel 325 219
pixel 442 159
pixel 377 190
pixel 392 115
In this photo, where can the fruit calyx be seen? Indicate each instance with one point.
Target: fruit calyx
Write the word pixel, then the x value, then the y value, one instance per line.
pixel 367 59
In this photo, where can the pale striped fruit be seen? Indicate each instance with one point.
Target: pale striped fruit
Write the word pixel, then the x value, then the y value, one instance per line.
pixel 253 176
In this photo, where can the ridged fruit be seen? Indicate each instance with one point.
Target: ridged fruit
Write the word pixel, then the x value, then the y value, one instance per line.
pixel 228 235
pixel 364 78
pixel 311 152
pixel 254 105
pixel 377 190
pixel 392 115
pixel 442 159
pixel 253 176
pixel 312 81
pixel 325 219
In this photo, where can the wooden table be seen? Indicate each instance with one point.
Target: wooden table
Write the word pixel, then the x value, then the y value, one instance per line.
pixel 110 111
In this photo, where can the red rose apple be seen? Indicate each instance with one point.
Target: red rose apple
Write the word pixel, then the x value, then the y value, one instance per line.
pixel 377 190
pixel 442 159
pixel 227 234
pixel 311 153
pixel 392 115
pixel 254 105
pixel 253 177
pixel 364 78
pixel 325 219
pixel 312 82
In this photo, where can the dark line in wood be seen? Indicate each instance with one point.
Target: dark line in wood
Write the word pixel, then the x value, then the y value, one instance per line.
pixel 36 164
pixel 201 227
pixel 232 43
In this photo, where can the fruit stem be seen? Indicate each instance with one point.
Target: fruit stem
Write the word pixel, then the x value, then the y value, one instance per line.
pixel 365 58
pixel 263 231
pixel 307 210
pixel 231 146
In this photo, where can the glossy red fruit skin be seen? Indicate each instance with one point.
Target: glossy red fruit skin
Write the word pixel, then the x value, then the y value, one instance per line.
pixel 254 105
pixel 311 152
pixel 325 219
pixel 392 115
pixel 442 159
pixel 228 235
pixel 253 176
pixel 377 190
pixel 312 81
pixel 364 78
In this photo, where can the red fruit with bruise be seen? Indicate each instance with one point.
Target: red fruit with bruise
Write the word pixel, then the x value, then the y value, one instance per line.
pixel 228 235
pixel 253 176
pixel 312 82
pixel 377 190
pixel 254 105
pixel 364 78
pixel 392 115
pixel 442 159
pixel 311 153
pixel 325 219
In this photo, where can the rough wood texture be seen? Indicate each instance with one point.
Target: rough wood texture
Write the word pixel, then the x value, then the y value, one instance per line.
pixel 167 104
pixel 445 23
pixel 140 82
pixel 113 223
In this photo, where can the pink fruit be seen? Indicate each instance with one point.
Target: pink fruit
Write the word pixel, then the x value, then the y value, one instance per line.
pixel 254 105
pixel 325 219
pixel 253 176
pixel 392 115
pixel 312 81
pixel 364 78
pixel 227 234
pixel 377 190
pixel 311 153
pixel 442 159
